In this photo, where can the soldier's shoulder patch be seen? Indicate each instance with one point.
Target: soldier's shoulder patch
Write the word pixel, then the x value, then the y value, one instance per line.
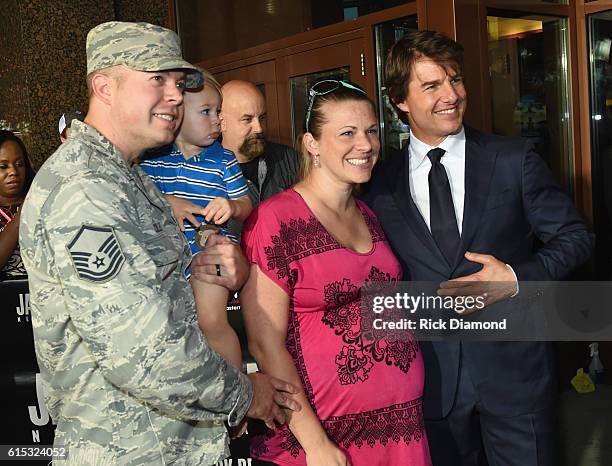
pixel 96 253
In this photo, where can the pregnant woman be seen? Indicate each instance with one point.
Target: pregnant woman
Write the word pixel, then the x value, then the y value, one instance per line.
pixel 312 249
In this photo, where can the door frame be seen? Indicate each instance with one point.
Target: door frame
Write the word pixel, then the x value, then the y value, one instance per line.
pixel 583 157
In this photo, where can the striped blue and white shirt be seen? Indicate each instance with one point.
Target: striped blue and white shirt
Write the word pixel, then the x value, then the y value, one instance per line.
pixel 214 172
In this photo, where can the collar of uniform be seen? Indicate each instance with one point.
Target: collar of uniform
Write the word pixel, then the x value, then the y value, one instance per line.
pixel 418 149
pixel 93 136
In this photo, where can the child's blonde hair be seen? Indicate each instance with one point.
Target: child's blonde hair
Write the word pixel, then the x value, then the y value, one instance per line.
pixel 209 80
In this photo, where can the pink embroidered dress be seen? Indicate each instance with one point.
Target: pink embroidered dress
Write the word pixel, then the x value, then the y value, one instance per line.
pixel 367 394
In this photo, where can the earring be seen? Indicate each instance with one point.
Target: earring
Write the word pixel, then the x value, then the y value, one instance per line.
pixel 315 161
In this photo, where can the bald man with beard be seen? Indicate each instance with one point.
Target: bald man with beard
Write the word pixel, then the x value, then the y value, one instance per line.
pixel 268 167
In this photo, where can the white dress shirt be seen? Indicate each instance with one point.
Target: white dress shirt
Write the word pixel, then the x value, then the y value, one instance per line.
pixel 453 161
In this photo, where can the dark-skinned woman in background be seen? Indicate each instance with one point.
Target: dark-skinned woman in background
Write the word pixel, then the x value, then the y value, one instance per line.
pixel 16 175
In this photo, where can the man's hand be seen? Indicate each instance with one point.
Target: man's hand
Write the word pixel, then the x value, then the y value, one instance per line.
pixel 495 281
pixel 219 210
pixel 233 268
pixel 269 396
pixel 239 430
pixel 183 210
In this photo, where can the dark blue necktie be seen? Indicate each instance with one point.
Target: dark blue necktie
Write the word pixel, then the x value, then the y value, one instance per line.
pixel 443 222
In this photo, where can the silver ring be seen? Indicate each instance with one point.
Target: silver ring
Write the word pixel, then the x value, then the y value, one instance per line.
pixel 218 266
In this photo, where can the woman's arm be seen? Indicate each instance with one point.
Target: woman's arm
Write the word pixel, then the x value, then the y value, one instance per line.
pixel 9 237
pixel 265 307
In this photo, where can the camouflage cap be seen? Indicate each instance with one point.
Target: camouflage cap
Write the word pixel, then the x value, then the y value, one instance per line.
pixel 139 46
pixel 195 82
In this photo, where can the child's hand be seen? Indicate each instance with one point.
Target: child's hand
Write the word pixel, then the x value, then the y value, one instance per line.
pixel 219 210
pixel 183 210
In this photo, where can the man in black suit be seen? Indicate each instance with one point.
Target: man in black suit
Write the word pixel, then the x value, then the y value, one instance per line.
pixel 462 207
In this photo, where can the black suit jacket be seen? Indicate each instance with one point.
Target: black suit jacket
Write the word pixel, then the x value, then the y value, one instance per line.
pixel 511 198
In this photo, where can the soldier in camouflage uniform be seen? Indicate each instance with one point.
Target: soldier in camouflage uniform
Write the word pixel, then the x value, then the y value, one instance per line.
pixel 128 376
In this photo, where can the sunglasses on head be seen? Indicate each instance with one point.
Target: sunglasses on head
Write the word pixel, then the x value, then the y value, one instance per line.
pixel 325 87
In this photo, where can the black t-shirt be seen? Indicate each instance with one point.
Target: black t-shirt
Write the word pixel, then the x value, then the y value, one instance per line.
pixel 249 170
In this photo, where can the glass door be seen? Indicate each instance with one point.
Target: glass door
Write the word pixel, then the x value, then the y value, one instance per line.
pixel 394 132
pixel 599 27
pixel 299 86
pixel 529 82
pixel 342 60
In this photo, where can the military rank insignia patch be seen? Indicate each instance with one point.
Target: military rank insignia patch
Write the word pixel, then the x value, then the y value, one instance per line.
pixel 96 254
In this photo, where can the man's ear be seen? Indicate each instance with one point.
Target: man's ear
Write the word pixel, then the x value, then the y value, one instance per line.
pixel 102 87
pixel 311 144
pixel 222 121
pixel 403 106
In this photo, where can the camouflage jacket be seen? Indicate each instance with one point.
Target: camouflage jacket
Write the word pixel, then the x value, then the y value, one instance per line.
pixel 128 376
